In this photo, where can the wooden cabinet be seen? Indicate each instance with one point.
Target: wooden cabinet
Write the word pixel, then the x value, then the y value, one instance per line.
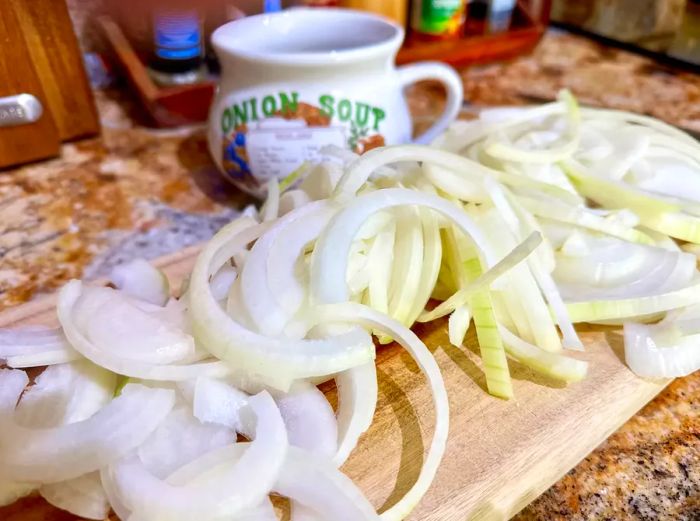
pixel 40 57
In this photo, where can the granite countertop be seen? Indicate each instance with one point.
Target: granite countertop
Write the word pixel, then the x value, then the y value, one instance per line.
pixel 139 192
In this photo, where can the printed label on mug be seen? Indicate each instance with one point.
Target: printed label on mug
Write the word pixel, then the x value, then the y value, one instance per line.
pixel 273 134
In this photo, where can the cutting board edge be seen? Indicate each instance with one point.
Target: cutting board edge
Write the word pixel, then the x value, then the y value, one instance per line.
pixel 530 495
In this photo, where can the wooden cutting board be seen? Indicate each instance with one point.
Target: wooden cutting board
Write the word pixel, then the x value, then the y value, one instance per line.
pixel 500 455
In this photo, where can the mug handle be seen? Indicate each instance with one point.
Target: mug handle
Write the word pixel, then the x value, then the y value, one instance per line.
pixel 453 85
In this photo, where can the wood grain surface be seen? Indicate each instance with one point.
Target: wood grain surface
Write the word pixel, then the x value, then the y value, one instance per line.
pixel 500 454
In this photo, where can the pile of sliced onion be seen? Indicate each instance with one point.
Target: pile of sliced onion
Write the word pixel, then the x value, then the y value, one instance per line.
pixel 524 221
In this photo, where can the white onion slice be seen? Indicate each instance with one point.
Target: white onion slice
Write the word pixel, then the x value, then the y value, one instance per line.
pixel 222 281
pixel 11 491
pixel 305 478
pixel 118 325
pixel 661 351
pixel 355 313
pixel 309 418
pixel 30 340
pixel 293 199
pixel 82 496
pixel 357 401
pixel 270 286
pixel 35 346
pixel 217 402
pixel 276 362
pixel 65 393
pixel 67 301
pixel 179 439
pixel 330 257
pixel 66 452
pixel 271 208
pixel 317 485
pixel 240 486
pixel 40 359
pixel 140 279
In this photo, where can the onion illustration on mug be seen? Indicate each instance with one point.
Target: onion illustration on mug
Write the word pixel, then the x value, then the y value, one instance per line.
pixel 295 81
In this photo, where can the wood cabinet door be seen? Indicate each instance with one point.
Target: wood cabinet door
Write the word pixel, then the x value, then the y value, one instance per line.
pixel 22 142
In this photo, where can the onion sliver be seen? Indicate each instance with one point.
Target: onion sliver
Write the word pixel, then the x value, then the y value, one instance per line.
pixel 508 152
pixel 360 170
pixel 357 401
pixel 276 362
pixel 270 288
pixel 316 484
pixel 242 485
pixel 591 311
pixel 32 340
pixel 65 393
pixel 82 496
pixel 351 313
pixel 461 297
pixel 66 452
pixel 67 300
pixel 140 279
pixel 309 418
pixel 554 365
pixel 330 257
pixel 179 439
pixel 660 350
pixel 218 402
pixel 39 359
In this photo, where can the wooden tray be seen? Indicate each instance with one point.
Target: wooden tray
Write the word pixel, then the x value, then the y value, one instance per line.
pixel 500 454
pixel 166 106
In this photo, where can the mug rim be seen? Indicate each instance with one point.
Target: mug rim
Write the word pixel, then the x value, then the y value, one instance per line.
pixel 225 40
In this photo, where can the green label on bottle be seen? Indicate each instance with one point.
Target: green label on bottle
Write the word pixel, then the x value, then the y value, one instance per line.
pixel 439 16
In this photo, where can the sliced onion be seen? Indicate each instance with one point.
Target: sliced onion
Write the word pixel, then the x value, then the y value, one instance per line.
pixel 293 199
pixel 309 418
pixel 661 350
pixel 462 296
pixel 66 452
pixel 82 496
pixel 316 484
pixel 554 365
pixel 271 208
pixel 11 491
pixel 350 313
pixel 359 171
pixel 40 359
pixel 142 280
pixel 217 402
pixel 273 361
pixel 357 401
pixel 329 261
pixel 270 287
pixel 69 297
pixel 179 439
pixel 35 346
pixel 33 339
pixel 407 266
pixel 591 311
pixel 242 485
pixel 65 393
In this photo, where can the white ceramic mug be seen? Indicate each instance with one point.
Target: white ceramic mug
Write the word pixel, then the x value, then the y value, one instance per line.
pixel 295 81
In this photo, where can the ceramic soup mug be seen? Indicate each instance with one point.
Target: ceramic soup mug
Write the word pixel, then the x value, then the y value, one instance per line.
pixel 297 80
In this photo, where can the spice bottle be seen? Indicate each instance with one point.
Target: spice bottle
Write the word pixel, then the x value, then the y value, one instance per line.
pixel 177 45
pixel 438 18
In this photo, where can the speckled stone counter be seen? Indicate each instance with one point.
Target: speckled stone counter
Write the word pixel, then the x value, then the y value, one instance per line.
pixel 137 192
